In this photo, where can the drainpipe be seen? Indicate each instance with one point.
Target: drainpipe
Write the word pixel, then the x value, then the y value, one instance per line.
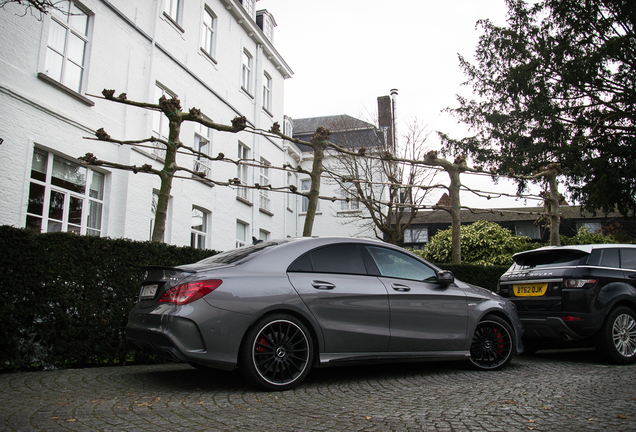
pixel 394 94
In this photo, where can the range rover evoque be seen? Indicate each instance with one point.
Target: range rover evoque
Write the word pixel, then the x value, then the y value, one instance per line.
pixel 576 295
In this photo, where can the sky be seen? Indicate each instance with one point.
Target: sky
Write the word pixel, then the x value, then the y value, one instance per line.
pixel 346 53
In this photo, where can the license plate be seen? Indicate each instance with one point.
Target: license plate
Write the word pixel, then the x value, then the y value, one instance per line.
pixel 149 291
pixel 530 290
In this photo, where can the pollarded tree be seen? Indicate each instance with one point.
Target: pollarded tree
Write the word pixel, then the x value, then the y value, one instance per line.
pixel 557 85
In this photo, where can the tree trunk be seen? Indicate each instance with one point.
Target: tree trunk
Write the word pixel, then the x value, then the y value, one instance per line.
pixel 314 191
pixel 554 209
pixel 455 206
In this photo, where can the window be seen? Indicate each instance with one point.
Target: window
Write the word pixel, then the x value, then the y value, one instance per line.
pixel 199 226
pixel 248 5
pixel 264 201
pixel 202 145
pixel 67 45
pixel 628 258
pixel 398 265
pixel 246 77
pixel 243 170
pixel 208 34
pixel 160 123
pixel 591 227
pixel 290 196
pixel 343 259
pixel 174 10
pixel 59 199
pixel 305 186
pixel 241 233
pixel 267 92
pixel 348 191
pixel 528 230
pixel 263 235
pixel 416 235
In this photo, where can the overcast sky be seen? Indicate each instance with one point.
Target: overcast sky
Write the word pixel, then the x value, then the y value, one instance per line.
pixel 346 53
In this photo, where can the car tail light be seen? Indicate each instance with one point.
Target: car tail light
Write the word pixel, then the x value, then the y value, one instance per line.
pixel 190 291
pixel 571 318
pixel 578 283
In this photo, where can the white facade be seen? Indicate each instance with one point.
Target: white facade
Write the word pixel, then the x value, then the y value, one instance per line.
pixel 209 53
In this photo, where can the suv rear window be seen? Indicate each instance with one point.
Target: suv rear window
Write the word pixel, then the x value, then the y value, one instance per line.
pixel 552 258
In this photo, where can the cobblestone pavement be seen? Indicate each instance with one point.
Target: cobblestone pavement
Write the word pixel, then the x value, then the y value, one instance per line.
pixel 549 391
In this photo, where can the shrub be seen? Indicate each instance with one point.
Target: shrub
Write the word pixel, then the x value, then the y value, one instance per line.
pixel 65 299
pixel 482 243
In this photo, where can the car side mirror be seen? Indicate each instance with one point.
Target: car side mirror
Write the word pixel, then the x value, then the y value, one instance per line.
pixel 445 277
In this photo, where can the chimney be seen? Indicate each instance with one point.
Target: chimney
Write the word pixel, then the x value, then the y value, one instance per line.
pixel 386 117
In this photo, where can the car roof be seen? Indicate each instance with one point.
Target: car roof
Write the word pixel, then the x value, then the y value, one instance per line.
pixel 579 248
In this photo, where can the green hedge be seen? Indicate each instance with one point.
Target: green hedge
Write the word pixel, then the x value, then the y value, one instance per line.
pixel 484 276
pixel 65 299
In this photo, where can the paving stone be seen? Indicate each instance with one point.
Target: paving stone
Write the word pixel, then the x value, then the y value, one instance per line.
pixel 547 391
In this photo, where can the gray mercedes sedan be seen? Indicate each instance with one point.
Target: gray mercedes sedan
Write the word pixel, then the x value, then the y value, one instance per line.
pixel 276 309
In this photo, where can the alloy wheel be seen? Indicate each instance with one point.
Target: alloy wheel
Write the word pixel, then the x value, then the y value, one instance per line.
pixel 491 347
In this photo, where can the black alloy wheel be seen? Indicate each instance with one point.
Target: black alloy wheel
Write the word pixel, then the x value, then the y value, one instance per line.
pixel 492 347
pixel 277 353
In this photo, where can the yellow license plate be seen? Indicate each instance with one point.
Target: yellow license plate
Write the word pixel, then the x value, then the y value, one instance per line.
pixel 530 290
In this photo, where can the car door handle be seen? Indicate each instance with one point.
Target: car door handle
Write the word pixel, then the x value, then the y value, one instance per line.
pixel 400 287
pixel 632 276
pixel 322 285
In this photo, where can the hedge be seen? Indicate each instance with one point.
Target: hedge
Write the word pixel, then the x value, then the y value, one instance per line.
pixel 484 276
pixel 65 299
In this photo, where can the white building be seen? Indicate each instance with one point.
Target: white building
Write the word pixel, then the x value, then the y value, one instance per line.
pixel 215 55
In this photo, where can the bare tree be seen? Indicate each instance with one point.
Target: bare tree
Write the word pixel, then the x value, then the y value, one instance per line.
pixel 386 192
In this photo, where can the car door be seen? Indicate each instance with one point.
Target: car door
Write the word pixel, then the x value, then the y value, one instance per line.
pixel 425 315
pixel 351 307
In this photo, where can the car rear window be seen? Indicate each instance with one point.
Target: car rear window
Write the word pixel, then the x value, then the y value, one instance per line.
pixel 551 258
pixel 235 255
pixel 341 258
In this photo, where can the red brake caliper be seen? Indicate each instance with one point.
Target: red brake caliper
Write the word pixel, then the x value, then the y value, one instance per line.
pixel 262 349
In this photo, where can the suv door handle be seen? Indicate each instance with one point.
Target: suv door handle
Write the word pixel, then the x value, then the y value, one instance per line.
pixel 400 287
pixel 322 285
pixel 632 276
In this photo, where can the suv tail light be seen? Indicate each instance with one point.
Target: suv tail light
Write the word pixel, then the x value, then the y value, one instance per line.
pixel 190 291
pixel 578 283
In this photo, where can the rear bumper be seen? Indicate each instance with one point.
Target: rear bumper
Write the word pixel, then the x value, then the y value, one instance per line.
pixel 555 327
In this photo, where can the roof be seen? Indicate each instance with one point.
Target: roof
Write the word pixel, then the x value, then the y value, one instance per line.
pixel 346 131
pixel 514 214
pixel 334 123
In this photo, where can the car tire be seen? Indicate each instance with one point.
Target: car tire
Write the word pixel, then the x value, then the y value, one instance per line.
pixel 617 339
pixel 492 346
pixel 277 353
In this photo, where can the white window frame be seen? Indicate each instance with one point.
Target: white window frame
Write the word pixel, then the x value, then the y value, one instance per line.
pixel 248 5
pixel 92 199
pixel 202 144
pixel 346 192
pixel 522 230
pixel 416 235
pixel 242 233
pixel 264 201
pixel 208 33
pixel 267 92
pixel 247 61
pixel 75 14
pixel 199 233
pixel 305 186
pixel 243 171
pixel 264 235
pixel 592 227
pixel 160 123
pixel 173 9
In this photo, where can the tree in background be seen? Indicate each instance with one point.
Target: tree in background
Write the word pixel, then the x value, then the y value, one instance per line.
pixel 557 85
pixel 385 194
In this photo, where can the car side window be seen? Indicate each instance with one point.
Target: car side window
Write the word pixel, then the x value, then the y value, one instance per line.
pixel 628 258
pixel 604 258
pixel 342 258
pixel 399 265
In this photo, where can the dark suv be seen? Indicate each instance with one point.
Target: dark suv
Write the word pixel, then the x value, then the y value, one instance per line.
pixel 578 295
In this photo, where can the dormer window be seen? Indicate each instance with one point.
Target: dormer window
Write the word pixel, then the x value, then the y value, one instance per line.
pixel 248 5
pixel 266 22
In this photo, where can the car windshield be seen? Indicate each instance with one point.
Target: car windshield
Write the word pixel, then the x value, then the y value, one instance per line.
pixel 239 254
pixel 551 258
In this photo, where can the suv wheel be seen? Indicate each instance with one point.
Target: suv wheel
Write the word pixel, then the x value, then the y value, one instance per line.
pixel 617 339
